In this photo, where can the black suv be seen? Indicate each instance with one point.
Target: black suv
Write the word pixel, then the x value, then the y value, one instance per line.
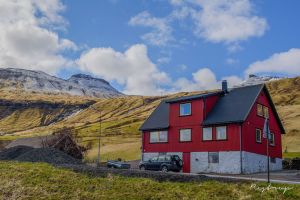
pixel 164 163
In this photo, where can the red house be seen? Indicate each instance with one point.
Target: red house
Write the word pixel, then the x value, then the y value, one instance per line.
pixel 220 132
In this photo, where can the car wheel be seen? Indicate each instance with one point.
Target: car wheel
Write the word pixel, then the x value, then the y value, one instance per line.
pixel 164 169
pixel 142 168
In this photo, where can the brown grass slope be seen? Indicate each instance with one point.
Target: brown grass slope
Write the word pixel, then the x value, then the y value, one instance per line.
pixel 286 96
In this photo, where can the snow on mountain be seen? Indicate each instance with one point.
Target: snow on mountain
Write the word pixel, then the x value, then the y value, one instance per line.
pixel 255 80
pixel 80 84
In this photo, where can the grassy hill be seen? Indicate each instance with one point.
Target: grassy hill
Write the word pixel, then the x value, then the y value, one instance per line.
pixel 43 181
pixel 121 118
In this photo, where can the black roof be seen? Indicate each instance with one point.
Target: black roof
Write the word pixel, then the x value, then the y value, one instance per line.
pixel 159 119
pixel 192 97
pixel 232 107
pixel 235 106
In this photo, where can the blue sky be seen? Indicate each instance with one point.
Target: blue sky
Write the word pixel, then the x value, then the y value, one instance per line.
pixel 154 46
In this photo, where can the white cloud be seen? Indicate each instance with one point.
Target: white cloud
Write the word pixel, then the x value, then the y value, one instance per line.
pixel 217 21
pixel 227 21
pixel 161 33
pixel 27 36
pixel 176 2
pixel 204 79
pixel 285 62
pixel 231 61
pixel 133 69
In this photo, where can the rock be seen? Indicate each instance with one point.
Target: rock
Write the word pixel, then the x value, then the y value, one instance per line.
pixel 13 152
pixel 48 155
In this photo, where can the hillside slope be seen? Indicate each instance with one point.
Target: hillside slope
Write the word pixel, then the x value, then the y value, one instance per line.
pixel 122 116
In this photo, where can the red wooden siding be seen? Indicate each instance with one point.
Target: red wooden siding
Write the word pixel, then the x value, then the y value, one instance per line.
pixel 209 104
pixel 254 121
pixel 196 145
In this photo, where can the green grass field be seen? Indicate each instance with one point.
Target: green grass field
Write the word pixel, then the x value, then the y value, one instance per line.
pixel 43 181
pixel 291 155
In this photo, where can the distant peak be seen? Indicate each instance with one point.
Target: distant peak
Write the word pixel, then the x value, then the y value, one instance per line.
pixel 81 76
pixel 88 77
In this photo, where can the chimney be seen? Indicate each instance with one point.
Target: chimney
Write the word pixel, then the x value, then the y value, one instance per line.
pixel 224 86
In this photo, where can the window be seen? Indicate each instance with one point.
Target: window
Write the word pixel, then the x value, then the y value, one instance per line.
pixel 258 135
pixel 161 158
pixel 273 160
pixel 207 134
pixel 185 135
pixel 272 139
pixel 213 157
pixel 158 136
pixel 221 133
pixel 185 109
pixel 266 112
pixel 168 158
pixel 154 159
pixel 260 111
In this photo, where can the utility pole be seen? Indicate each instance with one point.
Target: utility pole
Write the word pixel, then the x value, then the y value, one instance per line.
pixel 99 135
pixel 99 139
pixel 267 136
pixel 268 158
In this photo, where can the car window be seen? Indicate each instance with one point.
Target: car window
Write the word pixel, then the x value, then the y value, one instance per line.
pixel 154 159
pixel 168 158
pixel 161 158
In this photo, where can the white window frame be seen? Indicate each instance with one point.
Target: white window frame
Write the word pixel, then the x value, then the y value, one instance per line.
pixel 204 133
pixel 158 133
pixel 266 112
pixel 262 110
pixel 260 132
pixel 181 132
pixel 217 135
pixel 180 110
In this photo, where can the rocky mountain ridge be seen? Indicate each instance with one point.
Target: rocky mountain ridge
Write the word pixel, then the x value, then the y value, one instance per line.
pixel 255 80
pixel 38 81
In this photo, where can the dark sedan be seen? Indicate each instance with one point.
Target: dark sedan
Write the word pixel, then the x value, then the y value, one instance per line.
pixel 117 164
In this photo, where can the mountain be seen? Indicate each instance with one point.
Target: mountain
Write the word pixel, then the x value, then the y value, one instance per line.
pixel 37 81
pixel 255 80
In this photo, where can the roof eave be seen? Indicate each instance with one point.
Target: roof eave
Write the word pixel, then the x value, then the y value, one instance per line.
pixel 222 123
pixel 153 129
pixel 193 97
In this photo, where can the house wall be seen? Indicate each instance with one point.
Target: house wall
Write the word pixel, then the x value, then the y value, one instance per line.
pixel 209 103
pixel 229 162
pixel 193 122
pixel 196 145
pixel 253 163
pixel 254 121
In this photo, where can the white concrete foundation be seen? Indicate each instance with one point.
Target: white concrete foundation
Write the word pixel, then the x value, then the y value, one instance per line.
pixel 253 163
pixel 229 162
